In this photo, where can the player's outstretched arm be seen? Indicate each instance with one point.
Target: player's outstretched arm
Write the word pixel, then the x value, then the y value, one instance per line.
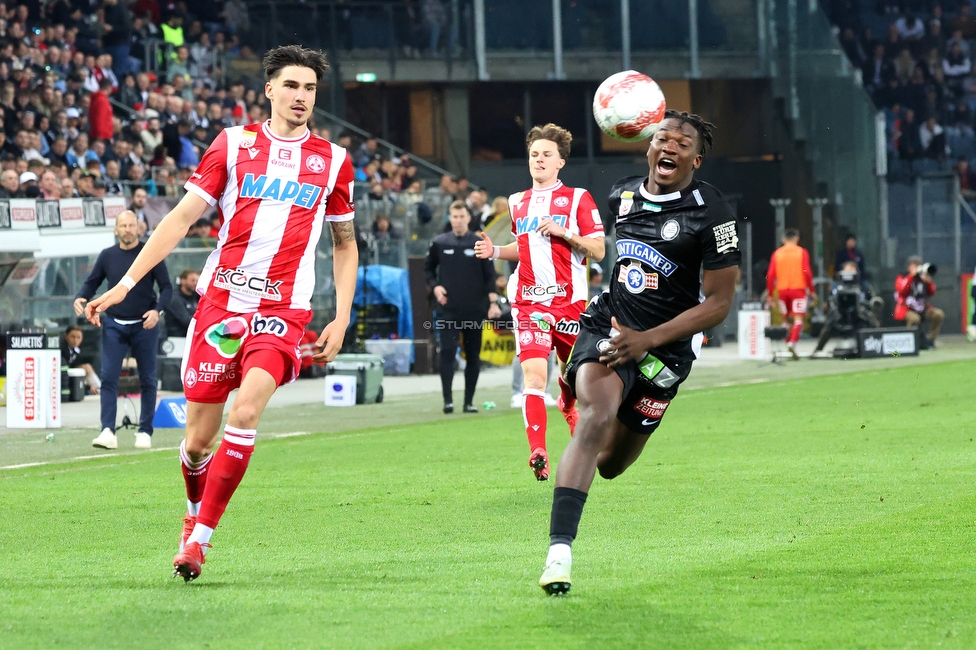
pixel 345 266
pixel 719 289
pixel 164 239
pixel 485 250
pixel 592 248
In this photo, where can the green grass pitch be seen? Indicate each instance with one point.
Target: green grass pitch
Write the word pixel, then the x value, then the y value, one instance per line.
pixel 829 512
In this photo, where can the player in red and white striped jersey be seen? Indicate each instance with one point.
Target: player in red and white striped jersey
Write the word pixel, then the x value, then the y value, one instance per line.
pixel 556 229
pixel 274 185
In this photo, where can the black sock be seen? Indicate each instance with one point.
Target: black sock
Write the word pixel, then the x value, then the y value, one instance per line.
pixel 567 507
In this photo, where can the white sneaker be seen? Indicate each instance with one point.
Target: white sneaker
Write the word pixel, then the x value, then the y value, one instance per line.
pixel 516 401
pixel 143 440
pixel 555 579
pixel 550 400
pixel 106 440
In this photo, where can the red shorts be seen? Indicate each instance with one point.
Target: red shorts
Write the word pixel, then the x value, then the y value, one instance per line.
pixel 222 346
pixel 792 302
pixel 539 329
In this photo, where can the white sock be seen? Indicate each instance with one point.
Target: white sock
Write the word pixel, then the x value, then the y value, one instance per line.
pixel 201 535
pixel 556 552
pixel 192 509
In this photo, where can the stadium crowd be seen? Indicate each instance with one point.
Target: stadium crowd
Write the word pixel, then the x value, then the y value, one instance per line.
pixel 107 98
pixel 916 59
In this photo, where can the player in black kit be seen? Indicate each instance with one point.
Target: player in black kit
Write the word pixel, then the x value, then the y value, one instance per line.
pixel 677 259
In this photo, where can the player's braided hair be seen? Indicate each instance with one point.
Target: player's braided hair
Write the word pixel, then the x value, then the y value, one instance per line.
pixel 698 122
pixel 281 57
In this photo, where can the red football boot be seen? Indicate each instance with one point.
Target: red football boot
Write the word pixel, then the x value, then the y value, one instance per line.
pixel 539 462
pixel 189 522
pixel 188 562
pixel 570 414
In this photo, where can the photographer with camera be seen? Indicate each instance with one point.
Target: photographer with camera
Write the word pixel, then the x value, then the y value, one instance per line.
pixel 912 293
pixel 850 306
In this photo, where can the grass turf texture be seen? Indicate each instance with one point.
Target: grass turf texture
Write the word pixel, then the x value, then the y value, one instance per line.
pixel 829 512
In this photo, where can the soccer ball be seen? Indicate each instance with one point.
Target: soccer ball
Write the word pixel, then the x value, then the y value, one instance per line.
pixel 628 106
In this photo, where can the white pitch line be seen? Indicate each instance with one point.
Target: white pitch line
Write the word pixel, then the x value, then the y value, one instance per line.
pixel 272 436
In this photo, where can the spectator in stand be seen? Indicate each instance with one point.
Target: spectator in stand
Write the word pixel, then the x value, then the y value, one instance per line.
pixel 68 190
pixel 964 22
pixel 910 142
pixel 852 47
pixel 100 113
pixel 967 179
pixel 85 185
pixel 152 135
pixel 173 29
pixel 910 27
pixel 893 43
pixel 956 67
pixel 382 230
pixel 113 182
pixel 235 16
pixel 183 305
pixel 933 40
pixel 117 34
pixel 366 153
pixel 72 357
pixel 9 184
pixel 28 186
pixel 912 293
pixel 933 140
pixel 478 208
pixel 850 253
pixel 138 205
pixel 50 187
pixel 181 66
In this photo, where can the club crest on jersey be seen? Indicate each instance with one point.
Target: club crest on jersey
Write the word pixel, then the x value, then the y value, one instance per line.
pixel 250 285
pixel 626 203
pixel 636 250
pixel 560 201
pixel 635 280
pixel 304 195
pixel 247 139
pixel 227 336
pixel 670 230
pixel 529 224
pixel 315 163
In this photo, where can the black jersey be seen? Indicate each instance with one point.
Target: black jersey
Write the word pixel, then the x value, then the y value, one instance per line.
pixel 663 244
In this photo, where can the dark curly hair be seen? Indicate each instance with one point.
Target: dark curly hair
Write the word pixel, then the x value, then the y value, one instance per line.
pixel 704 129
pixel 281 57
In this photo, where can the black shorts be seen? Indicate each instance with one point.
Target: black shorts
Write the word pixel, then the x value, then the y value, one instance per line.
pixel 649 385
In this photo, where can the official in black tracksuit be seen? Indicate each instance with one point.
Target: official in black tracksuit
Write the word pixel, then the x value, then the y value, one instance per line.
pixel 464 288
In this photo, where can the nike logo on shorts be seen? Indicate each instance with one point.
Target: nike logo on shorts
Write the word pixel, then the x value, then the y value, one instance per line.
pixel 646 422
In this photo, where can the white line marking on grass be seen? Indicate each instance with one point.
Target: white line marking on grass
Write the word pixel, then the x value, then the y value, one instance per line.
pixel 271 436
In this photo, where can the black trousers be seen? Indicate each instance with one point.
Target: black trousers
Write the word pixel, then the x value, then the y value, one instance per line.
pixel 450 330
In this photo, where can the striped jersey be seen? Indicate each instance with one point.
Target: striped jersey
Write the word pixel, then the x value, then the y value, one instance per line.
pixel 272 194
pixel 550 272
